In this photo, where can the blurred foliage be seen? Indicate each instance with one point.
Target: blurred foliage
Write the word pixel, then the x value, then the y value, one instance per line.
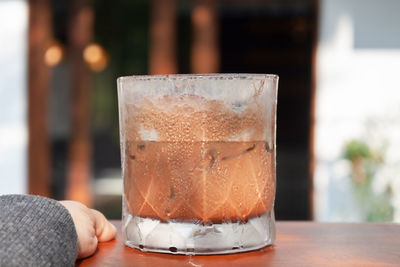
pixel 355 149
pixel 365 162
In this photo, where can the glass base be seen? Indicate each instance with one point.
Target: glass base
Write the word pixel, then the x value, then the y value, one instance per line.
pixel 187 238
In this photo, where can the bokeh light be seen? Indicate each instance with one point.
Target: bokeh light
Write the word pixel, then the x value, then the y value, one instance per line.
pixel 96 57
pixel 54 54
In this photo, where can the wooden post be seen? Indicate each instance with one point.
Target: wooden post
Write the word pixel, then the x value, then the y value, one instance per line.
pixel 162 58
pixel 38 82
pixel 205 56
pixel 80 30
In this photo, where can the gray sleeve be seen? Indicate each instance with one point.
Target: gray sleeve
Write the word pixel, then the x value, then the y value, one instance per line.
pixel 36 231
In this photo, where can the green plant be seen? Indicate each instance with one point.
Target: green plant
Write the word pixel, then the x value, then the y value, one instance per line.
pixel 355 149
pixel 364 164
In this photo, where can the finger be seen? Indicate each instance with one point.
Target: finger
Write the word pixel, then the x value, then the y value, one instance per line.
pixel 87 247
pixel 105 231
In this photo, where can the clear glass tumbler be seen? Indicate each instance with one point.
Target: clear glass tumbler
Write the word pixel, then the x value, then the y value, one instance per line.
pixel 198 162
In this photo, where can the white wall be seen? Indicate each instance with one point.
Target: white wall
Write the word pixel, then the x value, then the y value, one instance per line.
pixel 13 130
pixel 358 96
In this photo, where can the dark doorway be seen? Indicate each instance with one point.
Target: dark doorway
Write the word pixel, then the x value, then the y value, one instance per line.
pixel 278 38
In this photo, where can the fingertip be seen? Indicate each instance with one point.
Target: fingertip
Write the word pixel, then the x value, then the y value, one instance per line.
pixel 105 230
pixel 109 232
pixel 114 230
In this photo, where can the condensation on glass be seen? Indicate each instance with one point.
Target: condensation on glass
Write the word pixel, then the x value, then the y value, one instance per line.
pixel 198 162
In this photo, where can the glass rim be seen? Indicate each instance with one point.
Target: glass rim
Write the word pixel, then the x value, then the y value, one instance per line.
pixel 207 76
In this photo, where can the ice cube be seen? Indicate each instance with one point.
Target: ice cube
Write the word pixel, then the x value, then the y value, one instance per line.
pixel 242 136
pixel 148 135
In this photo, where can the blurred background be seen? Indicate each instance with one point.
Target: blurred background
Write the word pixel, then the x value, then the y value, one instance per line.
pixel 338 129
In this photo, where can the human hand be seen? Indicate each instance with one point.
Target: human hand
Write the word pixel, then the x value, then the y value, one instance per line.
pixel 91 227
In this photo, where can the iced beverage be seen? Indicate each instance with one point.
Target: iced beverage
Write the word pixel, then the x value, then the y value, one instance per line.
pixel 179 177
pixel 199 171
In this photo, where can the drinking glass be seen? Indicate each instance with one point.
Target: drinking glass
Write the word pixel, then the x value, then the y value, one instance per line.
pixel 198 162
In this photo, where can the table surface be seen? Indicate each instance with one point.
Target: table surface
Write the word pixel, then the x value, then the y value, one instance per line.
pixel 297 244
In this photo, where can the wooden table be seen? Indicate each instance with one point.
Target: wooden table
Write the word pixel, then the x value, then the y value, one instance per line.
pixel 297 244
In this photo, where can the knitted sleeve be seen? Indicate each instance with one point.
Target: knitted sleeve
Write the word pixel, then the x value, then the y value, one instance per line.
pixel 36 231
